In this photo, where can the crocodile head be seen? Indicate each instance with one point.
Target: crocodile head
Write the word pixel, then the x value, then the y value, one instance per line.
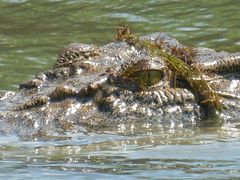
pixel 114 85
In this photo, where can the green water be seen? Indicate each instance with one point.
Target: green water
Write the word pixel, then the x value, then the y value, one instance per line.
pixel 31 35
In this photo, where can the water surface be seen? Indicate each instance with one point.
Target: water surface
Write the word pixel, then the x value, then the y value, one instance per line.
pixel 31 35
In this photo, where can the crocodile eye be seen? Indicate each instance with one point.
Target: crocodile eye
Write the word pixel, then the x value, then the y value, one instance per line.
pixel 145 72
pixel 149 77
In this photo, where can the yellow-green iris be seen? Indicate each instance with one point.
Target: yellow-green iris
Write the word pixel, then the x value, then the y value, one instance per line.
pixel 145 72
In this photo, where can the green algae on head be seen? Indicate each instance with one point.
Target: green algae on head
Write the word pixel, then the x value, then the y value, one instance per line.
pixel 184 53
pixel 182 67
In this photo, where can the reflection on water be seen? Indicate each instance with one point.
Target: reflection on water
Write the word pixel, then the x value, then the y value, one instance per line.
pixel 206 152
pixel 31 35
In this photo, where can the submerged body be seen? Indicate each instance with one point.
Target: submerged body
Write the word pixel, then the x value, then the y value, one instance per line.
pixel 119 84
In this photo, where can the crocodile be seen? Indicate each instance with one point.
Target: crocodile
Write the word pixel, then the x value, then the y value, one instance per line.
pixel 122 84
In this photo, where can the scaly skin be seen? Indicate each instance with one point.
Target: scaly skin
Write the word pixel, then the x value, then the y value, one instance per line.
pixel 90 86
